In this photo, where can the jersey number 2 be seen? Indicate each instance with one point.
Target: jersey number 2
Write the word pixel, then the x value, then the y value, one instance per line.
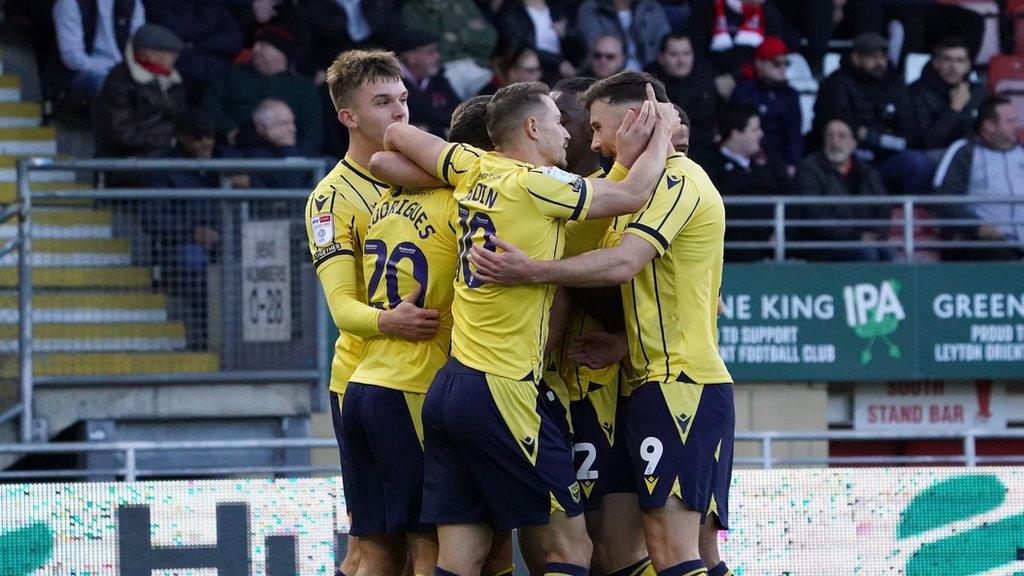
pixel 387 266
pixel 470 223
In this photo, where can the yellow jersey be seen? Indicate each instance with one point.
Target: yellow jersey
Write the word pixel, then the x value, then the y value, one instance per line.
pixel 671 306
pixel 501 330
pixel 337 215
pixel 410 242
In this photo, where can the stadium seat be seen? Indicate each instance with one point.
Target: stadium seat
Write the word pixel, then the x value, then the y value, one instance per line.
pixel 1015 10
pixel 831 62
pixel 1006 78
pixel 799 75
pixel 914 66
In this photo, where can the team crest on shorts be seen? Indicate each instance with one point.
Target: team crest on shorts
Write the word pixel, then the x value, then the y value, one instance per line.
pixel 574 491
pixel 323 229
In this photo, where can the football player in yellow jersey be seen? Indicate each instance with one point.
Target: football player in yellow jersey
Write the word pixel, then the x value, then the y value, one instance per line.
pixel 601 460
pixel 494 458
pixel 367 90
pixel 668 259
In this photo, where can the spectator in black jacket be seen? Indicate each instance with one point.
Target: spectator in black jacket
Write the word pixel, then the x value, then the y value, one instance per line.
pixel 740 167
pixel 764 86
pixel 184 232
pixel 867 91
pixel 940 107
pixel 431 99
pixel 544 26
pixel 211 36
pixel 835 171
pixel 142 97
pixel 272 136
pixel 690 85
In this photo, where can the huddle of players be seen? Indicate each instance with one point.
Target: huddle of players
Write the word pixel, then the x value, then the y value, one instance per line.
pixel 458 418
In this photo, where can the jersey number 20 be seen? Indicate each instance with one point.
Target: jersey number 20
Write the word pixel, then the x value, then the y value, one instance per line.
pixel 387 266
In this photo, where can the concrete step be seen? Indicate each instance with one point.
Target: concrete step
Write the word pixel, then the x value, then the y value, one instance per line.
pixel 28 141
pixel 106 337
pixel 71 307
pixel 55 223
pixel 70 277
pixel 66 363
pixel 20 114
pixel 10 88
pixel 50 259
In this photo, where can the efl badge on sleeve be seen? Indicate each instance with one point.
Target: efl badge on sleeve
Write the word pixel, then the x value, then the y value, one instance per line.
pixel 323 230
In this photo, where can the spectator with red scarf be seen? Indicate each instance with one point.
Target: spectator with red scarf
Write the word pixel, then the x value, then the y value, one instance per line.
pixel 142 97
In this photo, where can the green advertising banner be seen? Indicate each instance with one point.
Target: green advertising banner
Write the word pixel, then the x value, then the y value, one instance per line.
pixel 841 322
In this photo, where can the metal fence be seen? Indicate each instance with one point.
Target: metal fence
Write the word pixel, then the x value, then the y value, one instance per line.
pixel 174 276
pixel 766 443
pixel 878 228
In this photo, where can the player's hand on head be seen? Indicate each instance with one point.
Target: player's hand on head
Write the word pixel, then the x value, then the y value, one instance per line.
pixel 665 112
pixel 633 134
pixel 598 350
pixel 408 321
pixel 508 267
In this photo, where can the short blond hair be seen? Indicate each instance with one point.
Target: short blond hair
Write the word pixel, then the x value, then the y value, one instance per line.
pixel 354 67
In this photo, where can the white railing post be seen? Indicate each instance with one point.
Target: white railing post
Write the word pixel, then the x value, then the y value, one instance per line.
pixel 780 231
pixel 970 450
pixel 908 229
pixel 25 342
pixel 766 452
pixel 130 464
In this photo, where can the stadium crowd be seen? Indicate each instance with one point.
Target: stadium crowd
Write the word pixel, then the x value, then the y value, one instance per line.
pixel 255 70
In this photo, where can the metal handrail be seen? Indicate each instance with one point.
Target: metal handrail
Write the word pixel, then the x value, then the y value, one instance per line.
pixel 765 439
pixel 23 243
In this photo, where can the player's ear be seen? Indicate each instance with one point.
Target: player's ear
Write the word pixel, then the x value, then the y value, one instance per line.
pixel 347 119
pixel 530 124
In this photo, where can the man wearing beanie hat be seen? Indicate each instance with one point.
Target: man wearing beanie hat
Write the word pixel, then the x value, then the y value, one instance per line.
pixel 142 97
pixel 233 98
pixel 764 87
pixel 431 98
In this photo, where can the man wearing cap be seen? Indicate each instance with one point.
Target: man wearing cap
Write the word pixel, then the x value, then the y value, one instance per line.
pixel 867 90
pixel 142 97
pixel 233 98
pixel 764 87
pixel 431 98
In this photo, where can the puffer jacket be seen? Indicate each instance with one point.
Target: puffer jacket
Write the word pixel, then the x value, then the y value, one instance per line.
pixel 925 117
pixel 136 110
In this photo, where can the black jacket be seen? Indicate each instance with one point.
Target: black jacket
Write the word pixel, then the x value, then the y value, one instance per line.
pixel 515 26
pixel 433 106
pixel 766 176
pixel 211 36
pixel 867 101
pixel 817 177
pixel 926 119
pixel 134 116
pixel 696 95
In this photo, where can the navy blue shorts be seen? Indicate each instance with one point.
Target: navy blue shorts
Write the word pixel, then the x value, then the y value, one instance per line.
pixel 493 452
pixel 336 400
pixel 601 456
pixel 680 438
pixel 382 460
